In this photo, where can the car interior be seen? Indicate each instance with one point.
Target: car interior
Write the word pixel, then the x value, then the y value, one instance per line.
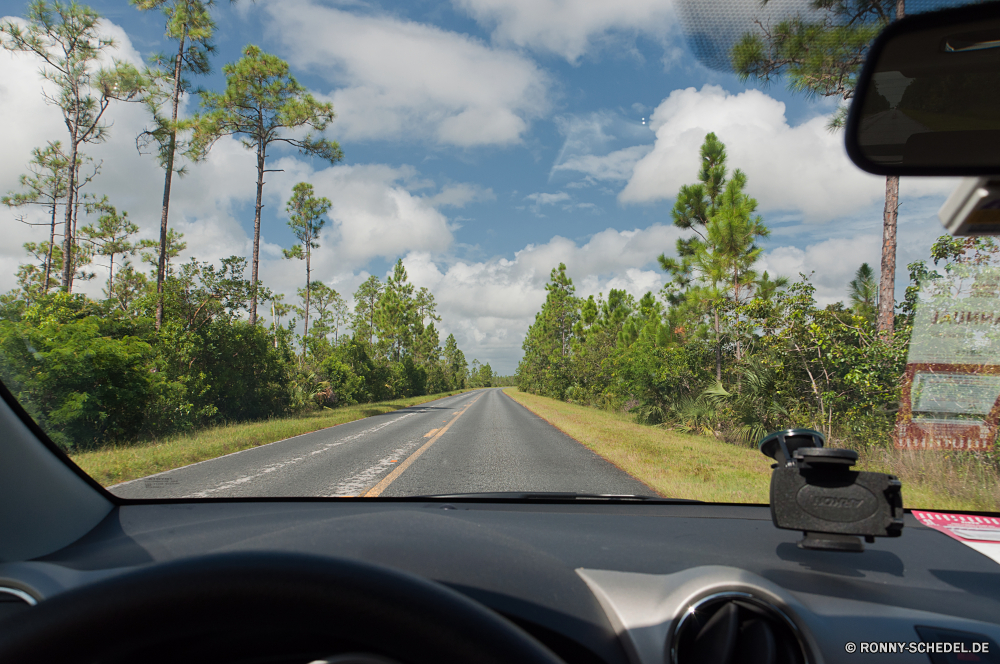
pixel 835 569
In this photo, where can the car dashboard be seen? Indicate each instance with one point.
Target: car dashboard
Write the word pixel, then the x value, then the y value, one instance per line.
pixel 594 582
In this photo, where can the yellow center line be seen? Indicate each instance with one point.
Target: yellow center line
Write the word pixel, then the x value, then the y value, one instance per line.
pixel 430 433
pixel 391 477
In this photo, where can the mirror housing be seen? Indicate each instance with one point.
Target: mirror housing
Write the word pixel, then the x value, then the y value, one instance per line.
pixel 927 101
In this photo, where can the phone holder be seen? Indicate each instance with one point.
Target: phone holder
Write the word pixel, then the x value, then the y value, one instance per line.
pixel 814 489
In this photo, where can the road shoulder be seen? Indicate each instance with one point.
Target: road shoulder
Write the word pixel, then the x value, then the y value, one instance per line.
pixel 673 464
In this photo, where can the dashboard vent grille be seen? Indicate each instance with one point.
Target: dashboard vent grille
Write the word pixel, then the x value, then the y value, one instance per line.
pixel 13 601
pixel 736 628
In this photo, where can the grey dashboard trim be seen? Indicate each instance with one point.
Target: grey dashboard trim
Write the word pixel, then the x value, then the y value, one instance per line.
pixel 643 609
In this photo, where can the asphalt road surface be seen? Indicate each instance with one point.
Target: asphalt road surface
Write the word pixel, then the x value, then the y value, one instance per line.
pixel 481 441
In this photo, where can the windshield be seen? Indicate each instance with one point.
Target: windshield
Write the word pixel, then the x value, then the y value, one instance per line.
pixel 481 247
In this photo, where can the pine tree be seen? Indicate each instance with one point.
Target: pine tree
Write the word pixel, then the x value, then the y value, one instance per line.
pixel 46 186
pixel 546 367
pixel 396 313
pixel 366 300
pixel 863 292
pixel 824 57
pixel 305 218
pixel 191 25
pixel 695 205
pixel 455 364
pixel 111 236
pixel 261 104
pixel 715 268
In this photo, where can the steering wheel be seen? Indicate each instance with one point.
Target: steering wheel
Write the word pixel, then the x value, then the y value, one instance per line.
pixel 265 607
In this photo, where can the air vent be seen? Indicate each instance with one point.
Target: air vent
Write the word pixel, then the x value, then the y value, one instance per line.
pixel 736 628
pixel 13 601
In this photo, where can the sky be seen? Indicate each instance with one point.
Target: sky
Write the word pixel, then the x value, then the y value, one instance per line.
pixel 485 142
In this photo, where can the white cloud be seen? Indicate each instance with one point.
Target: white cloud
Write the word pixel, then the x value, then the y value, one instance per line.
pixel 541 199
pixel 410 80
pixel 802 168
pixel 615 166
pixel 592 145
pixel 461 194
pixel 568 29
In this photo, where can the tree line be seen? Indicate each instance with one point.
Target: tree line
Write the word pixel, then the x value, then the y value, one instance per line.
pixel 727 351
pixel 170 346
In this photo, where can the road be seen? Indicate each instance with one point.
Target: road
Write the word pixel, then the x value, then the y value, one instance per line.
pixel 481 441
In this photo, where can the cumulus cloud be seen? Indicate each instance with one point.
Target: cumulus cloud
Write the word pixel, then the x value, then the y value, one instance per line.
pixel 567 29
pixel 615 166
pixel 802 168
pixel 401 79
pixel 541 199
pixel 593 146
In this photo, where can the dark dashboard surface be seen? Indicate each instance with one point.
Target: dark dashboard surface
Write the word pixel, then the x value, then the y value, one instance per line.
pixel 520 559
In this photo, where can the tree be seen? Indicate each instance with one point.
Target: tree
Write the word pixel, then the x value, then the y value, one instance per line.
pixel 455 364
pixel 305 218
pixel 279 309
pixel 67 39
pixel 863 292
pixel 128 285
pixel 31 275
pixel 329 307
pixel 396 313
pixel 366 300
pixel 110 236
pixel 175 246
pixel 261 102
pixel 730 249
pixel 694 207
pixel 546 365
pixel 46 185
pixel 823 57
pixel 191 25
pixel 724 249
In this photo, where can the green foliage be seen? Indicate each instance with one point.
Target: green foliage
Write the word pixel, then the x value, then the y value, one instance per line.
pixel 822 56
pixel 81 375
pixel 863 293
pixel 546 367
pixel 728 352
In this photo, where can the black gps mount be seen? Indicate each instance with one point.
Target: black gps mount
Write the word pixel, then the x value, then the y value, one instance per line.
pixel 813 489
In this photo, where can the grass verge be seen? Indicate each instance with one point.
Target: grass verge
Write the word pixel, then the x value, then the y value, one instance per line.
pixel 677 465
pixel 113 465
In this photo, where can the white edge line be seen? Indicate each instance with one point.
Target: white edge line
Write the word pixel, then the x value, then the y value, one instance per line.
pixel 274 442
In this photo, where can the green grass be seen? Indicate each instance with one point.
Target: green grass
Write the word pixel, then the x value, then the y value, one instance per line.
pixel 113 465
pixel 677 465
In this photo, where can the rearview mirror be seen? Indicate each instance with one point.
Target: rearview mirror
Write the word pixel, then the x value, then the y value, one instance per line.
pixel 927 101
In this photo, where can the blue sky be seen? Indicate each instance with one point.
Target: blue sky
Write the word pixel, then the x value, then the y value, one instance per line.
pixel 485 141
